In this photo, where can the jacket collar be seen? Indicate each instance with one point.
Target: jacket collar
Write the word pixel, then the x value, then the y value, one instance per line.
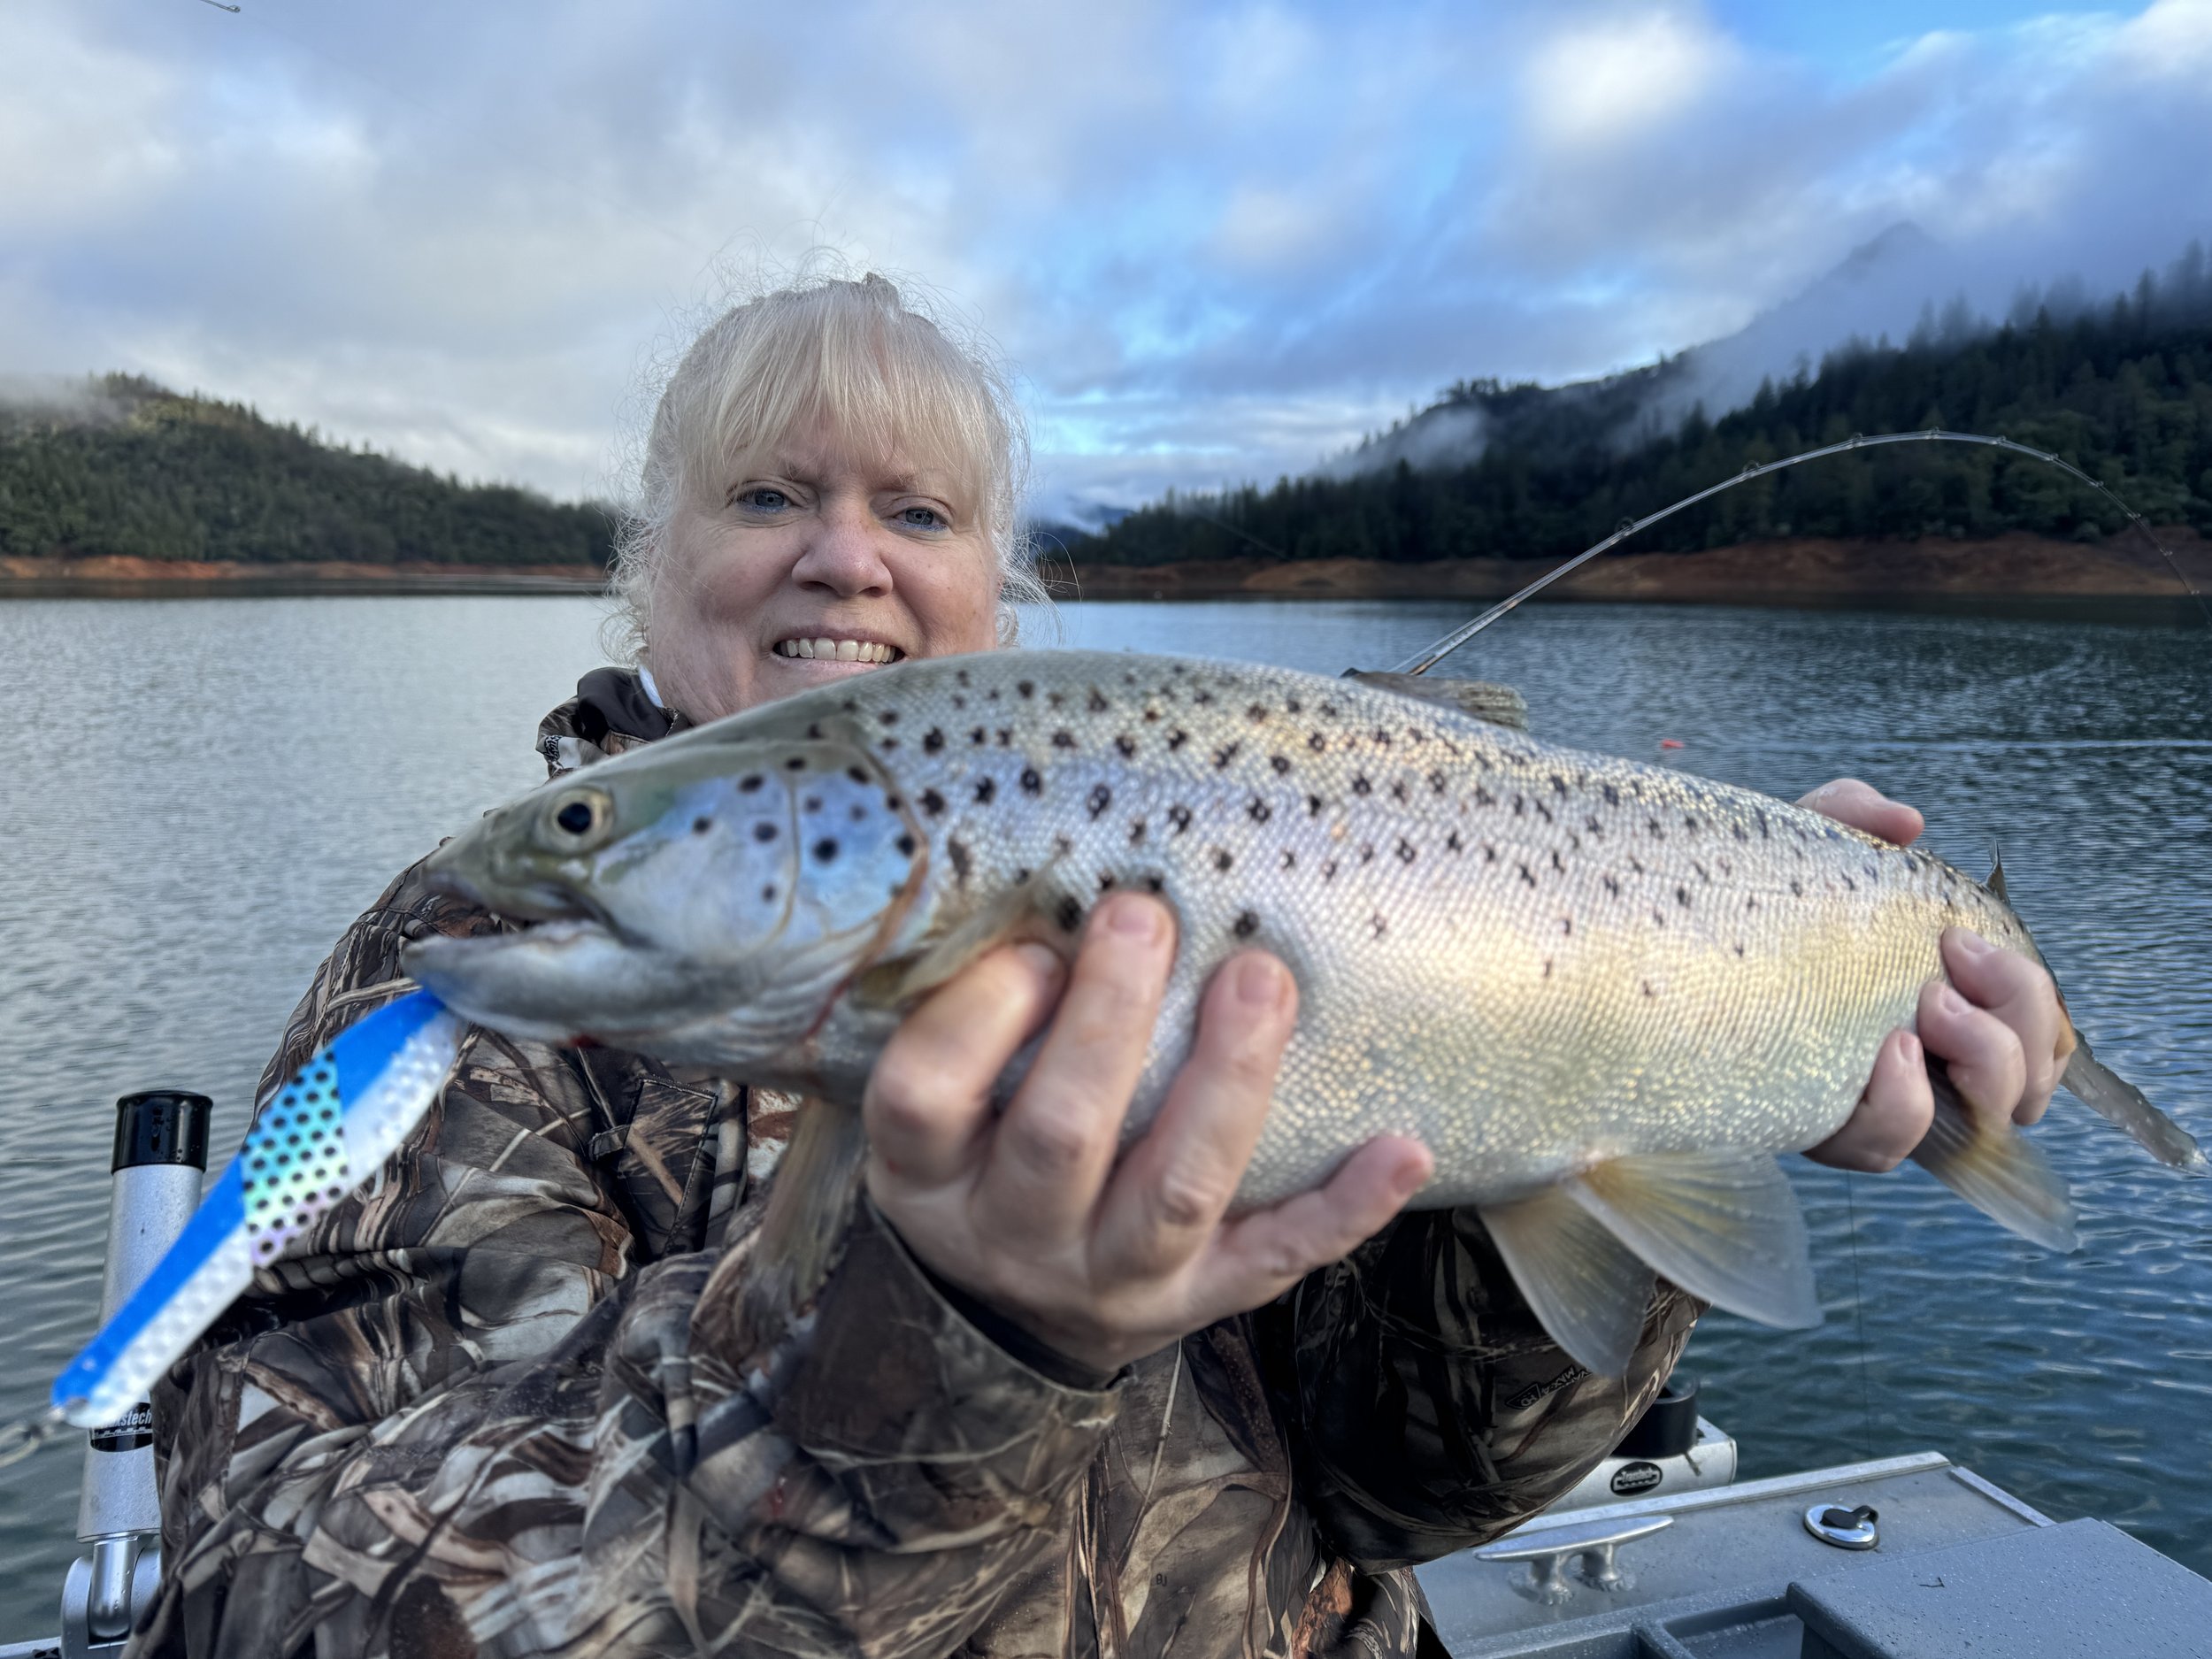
pixel 610 714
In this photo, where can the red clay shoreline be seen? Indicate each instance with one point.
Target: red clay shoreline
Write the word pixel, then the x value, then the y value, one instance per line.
pixel 2124 576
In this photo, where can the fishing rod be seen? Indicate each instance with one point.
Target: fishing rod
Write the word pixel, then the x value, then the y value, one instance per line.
pixel 1422 661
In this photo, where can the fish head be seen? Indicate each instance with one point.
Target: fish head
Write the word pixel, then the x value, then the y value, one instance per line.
pixel 697 902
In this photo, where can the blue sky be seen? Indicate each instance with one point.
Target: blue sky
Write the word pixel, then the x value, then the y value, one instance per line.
pixel 1217 241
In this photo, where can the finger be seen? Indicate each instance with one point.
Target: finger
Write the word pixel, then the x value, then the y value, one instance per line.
pixel 1262 1254
pixel 1892 1116
pixel 1170 1191
pixel 1051 1151
pixel 1979 1051
pixel 1865 808
pixel 2020 992
pixel 928 1101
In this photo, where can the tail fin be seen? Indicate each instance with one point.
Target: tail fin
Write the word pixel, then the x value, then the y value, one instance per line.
pixel 2000 1172
pixel 2114 1098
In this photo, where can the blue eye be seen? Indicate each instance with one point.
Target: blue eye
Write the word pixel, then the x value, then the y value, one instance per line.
pixel 761 499
pixel 923 519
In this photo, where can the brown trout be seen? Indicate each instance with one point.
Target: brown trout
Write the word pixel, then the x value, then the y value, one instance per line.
pixel 1604 994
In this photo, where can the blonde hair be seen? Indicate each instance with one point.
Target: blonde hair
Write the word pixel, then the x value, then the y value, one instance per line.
pixel 865 358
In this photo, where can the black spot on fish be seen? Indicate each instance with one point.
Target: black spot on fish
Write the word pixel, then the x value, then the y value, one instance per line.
pixel 1328 871
pixel 1317 743
pixel 1520 806
pixel 1367 852
pixel 1126 744
pixel 768 894
pixel 1105 881
pixel 1849 886
pixel 1096 703
pixel 1099 799
pixel 959 701
pixel 1151 717
pixel 1062 846
pixel 1136 832
pixel 1612 796
pixel 1742 834
pixel 1543 811
pixel 1406 854
pixel 1740 948
pixel 1360 786
pixel 1313 806
pixel 824 850
pixel 855 774
pixel 1648 990
pixel 934 740
pixel 797 763
pixel 750 781
pixel 978 736
pixel 1202 696
pixel 856 813
pixel 890 716
pixel 1558 784
pixel 1258 811
pixel 1682 897
pixel 1454 843
pixel 1026 688
pixel 1765 834
pixel 1257 712
pixel 1548 967
pixel 1483 797
pixel 887 744
pixel 1557 863
pixel 813 803
pixel 1070 915
pixel 1701 876
pixel 961 675
pixel 984 788
pixel 1379 924
pixel 701 825
pixel 1613 886
pixel 1689 823
pixel 1064 739
pixel 1797 888
pixel 1021 875
pixel 1398 789
pixel 1280 762
pixel 1290 859
pixel 1382 737
pixel 1436 783
pixel 1005 736
pixel 961 862
pixel 1177 739
pixel 1223 755
pixel 1153 884
pixel 932 802
pixel 1567 925
pixel 1658 916
pixel 764 832
pixel 905 844
pixel 1179 816
pixel 1222 860
pixel 815 731
pixel 1032 784
pixel 1751 903
pixel 1527 874
pixel 1246 925
pixel 1489 854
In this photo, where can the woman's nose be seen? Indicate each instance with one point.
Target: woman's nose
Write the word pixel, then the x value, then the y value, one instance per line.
pixel 844 552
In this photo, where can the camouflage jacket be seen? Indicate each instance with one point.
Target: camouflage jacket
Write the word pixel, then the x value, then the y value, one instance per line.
pixel 495 1404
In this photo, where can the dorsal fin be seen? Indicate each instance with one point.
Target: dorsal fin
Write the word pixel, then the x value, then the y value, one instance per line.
pixel 1483 699
pixel 1996 882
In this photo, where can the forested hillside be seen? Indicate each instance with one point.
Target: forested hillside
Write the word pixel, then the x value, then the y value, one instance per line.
pixel 128 468
pixel 2123 391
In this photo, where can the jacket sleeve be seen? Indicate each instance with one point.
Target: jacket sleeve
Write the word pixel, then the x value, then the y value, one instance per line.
pixel 1427 1409
pixel 459 1419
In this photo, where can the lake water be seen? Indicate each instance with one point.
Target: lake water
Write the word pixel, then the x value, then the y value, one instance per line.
pixel 200 794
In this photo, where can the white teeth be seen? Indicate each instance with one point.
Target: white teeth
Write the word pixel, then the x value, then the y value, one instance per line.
pixel 838 650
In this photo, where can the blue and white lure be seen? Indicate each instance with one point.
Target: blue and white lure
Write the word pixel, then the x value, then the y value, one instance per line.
pixel 326 1134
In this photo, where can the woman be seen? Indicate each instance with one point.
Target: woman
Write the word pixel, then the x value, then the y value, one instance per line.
pixel 1046 1401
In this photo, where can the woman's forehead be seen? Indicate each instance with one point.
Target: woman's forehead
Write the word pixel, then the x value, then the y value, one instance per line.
pixel 822 450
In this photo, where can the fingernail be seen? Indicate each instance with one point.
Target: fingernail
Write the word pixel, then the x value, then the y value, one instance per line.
pixel 1972 943
pixel 1042 962
pixel 1909 1047
pixel 1133 919
pixel 1950 1001
pixel 1259 981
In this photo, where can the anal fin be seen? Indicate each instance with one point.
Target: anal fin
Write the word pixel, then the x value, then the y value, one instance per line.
pixel 1723 1226
pixel 810 1202
pixel 2002 1174
pixel 2114 1098
pixel 1584 1286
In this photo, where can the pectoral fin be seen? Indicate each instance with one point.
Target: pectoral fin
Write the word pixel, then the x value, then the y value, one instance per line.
pixel 1483 699
pixel 2002 1174
pixel 1585 1287
pixel 1723 1226
pixel 1018 912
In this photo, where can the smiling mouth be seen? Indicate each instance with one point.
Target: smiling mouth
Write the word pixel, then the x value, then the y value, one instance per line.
pixel 870 652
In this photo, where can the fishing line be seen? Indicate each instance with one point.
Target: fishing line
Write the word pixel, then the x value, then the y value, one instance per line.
pixel 1421 662
pixel 1858 1322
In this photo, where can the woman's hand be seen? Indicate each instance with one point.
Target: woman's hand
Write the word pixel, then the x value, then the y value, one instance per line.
pixel 1998 1031
pixel 1029 1211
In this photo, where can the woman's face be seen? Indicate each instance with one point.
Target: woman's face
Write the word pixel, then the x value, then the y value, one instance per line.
pixel 823 562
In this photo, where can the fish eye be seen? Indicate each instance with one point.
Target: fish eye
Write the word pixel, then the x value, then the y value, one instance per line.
pixel 580 819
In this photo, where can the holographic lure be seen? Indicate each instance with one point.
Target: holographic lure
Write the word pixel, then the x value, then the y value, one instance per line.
pixel 329 1132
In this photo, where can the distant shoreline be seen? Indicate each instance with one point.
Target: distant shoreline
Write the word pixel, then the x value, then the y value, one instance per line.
pixel 2121 578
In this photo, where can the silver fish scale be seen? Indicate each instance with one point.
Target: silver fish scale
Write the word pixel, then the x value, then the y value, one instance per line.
pixel 1532 959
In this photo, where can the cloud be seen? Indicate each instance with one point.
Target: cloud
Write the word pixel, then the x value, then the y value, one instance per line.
pixel 1220 241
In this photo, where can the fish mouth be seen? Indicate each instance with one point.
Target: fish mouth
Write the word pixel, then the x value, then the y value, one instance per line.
pixel 837 647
